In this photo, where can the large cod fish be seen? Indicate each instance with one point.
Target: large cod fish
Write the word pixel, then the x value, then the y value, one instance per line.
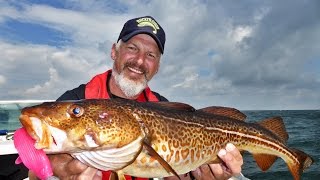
pixel 155 139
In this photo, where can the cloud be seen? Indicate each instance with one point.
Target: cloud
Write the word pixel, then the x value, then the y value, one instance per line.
pixel 46 87
pixel 31 69
pixel 244 54
pixel 2 80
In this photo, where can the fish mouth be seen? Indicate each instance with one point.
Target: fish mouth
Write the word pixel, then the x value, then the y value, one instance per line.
pixel 46 137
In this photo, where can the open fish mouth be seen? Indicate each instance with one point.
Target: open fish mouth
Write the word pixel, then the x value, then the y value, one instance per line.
pixel 47 137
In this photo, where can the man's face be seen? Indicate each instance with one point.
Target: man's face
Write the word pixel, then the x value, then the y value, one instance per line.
pixel 138 58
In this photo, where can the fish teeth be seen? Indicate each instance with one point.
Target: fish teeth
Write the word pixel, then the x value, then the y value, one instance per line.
pixel 59 137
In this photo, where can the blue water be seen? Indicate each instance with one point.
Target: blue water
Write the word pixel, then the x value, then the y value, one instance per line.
pixel 303 127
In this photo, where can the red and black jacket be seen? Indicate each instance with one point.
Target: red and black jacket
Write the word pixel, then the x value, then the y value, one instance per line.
pixel 97 88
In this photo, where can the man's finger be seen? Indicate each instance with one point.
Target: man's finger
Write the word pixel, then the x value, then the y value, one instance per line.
pixel 233 163
pixel 59 163
pixel 217 171
pixel 89 173
pixel 75 167
pixel 235 152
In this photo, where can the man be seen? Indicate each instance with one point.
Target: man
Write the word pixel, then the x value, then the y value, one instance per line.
pixel 136 57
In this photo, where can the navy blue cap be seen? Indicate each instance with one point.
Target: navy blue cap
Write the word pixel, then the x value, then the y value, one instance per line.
pixel 144 25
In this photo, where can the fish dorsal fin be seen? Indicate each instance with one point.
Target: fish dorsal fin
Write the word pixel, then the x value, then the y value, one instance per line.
pixel 155 155
pixel 225 111
pixel 276 125
pixel 174 105
pixel 264 161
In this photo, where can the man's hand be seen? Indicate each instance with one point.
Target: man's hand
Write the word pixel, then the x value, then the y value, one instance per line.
pixel 231 167
pixel 66 167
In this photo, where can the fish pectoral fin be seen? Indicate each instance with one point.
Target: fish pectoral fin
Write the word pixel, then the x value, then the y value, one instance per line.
pixel 276 125
pixel 264 161
pixel 225 111
pixel 113 176
pixel 117 176
pixel 155 155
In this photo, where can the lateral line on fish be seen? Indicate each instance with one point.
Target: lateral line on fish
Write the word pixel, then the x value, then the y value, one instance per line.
pixel 266 142
pixel 285 151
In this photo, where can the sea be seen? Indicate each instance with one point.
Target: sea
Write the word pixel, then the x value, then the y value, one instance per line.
pixel 303 127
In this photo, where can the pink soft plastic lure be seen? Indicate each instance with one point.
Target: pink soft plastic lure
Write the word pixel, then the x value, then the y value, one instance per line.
pixel 34 159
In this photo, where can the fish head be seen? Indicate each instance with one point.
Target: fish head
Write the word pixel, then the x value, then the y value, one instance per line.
pixel 72 126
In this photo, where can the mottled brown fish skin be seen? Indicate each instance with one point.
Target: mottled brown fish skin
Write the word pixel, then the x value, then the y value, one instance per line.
pixel 189 139
pixel 194 138
pixel 108 127
pixel 185 139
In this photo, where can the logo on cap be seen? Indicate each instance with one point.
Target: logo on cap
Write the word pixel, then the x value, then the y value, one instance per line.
pixel 148 22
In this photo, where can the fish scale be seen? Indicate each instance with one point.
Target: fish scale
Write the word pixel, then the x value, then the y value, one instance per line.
pixel 156 139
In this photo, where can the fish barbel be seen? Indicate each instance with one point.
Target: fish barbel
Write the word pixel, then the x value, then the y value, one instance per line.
pixel 155 139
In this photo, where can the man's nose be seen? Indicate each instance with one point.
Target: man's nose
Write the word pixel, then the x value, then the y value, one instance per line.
pixel 141 58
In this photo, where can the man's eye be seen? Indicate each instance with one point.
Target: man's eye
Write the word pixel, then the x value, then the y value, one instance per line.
pixel 132 48
pixel 151 55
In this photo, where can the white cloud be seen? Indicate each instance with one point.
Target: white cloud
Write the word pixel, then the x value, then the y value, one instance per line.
pixel 188 81
pixel 240 32
pixel 215 52
pixel 46 87
pixel 2 80
pixel 36 68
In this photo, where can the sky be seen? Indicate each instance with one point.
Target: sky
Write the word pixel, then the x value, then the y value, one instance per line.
pixel 248 54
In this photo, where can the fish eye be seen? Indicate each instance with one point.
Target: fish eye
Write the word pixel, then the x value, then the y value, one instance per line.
pixel 76 111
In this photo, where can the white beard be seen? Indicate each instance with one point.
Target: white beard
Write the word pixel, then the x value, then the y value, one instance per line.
pixel 129 87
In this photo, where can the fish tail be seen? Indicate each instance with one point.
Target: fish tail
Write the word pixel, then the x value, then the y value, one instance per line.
pixel 296 165
pixel 304 161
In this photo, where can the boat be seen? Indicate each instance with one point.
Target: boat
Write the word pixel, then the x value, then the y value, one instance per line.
pixel 9 122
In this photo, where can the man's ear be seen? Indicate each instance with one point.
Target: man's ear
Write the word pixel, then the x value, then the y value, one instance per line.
pixel 113 52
